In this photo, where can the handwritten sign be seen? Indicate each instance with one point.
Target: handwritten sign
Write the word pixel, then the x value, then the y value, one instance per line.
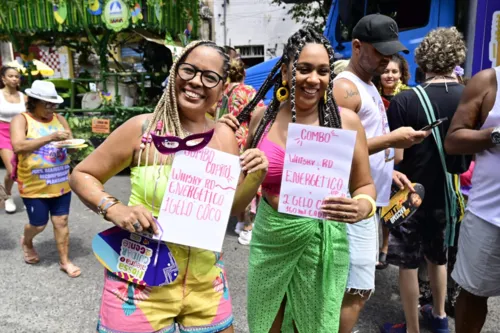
pixel 100 126
pixel 317 165
pixel 198 198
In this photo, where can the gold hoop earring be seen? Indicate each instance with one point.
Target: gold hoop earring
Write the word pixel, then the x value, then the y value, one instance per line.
pixel 282 93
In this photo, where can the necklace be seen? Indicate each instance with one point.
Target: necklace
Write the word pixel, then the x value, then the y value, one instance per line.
pixel 445 77
pixel 190 133
pixel 9 93
pixel 440 77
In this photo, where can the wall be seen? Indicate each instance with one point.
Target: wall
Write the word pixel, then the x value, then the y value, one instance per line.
pixel 207 22
pixel 254 22
pixel 6 53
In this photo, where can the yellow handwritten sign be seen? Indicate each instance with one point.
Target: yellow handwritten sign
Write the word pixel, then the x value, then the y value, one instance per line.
pixel 101 126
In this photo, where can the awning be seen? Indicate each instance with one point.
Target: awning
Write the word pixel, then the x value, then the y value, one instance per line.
pixel 31 17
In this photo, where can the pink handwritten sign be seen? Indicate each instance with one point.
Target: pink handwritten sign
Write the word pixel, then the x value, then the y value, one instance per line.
pixel 198 198
pixel 317 165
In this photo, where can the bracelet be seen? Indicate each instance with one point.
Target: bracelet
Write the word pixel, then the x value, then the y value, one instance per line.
pixel 370 200
pixel 109 202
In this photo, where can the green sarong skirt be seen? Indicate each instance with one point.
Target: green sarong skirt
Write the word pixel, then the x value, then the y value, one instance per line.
pixel 304 259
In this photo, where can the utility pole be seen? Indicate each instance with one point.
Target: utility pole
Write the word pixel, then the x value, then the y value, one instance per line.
pixel 225 26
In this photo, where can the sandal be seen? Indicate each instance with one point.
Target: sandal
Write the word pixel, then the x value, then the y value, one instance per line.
pixel 70 269
pixel 382 264
pixel 30 255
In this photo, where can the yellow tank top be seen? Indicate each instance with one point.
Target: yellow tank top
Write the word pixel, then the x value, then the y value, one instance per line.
pixel 143 182
pixel 43 173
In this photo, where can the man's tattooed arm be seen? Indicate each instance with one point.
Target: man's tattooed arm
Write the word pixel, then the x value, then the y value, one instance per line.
pixel 351 93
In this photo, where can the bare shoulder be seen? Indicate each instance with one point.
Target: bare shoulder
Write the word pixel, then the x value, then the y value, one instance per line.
pixel 18 119
pixel 346 94
pixel 350 119
pixel 225 139
pixel 137 125
pixel 223 130
pixel 257 116
pixel 345 84
pixel 478 88
pixel 487 74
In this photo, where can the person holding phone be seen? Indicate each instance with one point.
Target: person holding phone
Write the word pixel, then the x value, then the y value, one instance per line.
pixel 374 42
pixel 423 235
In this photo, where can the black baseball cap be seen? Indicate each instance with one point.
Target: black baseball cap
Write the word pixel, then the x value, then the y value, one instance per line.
pixel 380 31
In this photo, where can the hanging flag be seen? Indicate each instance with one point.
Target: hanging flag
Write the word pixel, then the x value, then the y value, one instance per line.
pixel 60 12
pixel 158 11
pixel 136 13
pixel 94 7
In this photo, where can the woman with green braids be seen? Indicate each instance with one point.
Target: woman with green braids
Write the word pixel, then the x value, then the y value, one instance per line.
pixel 298 266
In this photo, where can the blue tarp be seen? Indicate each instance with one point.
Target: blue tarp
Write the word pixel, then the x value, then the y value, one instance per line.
pixel 256 75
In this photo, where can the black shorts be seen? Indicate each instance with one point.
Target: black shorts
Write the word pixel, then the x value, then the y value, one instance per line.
pixel 422 235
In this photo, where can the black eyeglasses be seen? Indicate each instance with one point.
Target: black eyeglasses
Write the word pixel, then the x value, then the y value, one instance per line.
pixel 209 79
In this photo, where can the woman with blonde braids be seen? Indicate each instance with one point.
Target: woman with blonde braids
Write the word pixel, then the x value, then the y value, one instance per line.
pixel 198 300
pixel 298 266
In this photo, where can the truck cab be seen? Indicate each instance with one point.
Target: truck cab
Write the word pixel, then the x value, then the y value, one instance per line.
pixel 414 18
pixel 478 20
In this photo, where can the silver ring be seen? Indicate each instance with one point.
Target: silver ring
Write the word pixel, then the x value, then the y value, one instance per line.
pixel 136 226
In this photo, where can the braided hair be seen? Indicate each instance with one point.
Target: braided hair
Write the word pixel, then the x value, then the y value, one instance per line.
pixel 328 110
pixel 165 119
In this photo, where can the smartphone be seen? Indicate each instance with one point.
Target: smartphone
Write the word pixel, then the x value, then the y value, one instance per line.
pixel 434 124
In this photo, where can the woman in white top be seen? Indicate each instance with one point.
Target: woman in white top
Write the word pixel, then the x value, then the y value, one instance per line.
pixel 12 103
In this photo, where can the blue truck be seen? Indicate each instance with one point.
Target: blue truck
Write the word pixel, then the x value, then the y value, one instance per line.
pixel 478 20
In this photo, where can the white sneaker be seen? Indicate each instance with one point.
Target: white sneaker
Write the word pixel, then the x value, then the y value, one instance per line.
pixel 239 227
pixel 10 206
pixel 245 237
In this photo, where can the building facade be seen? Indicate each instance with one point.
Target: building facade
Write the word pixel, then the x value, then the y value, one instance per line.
pixel 256 28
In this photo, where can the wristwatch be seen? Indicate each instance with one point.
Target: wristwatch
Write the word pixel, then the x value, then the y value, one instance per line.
pixel 495 136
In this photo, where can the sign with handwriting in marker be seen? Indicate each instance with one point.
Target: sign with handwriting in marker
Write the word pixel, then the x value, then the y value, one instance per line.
pixel 198 198
pixel 317 165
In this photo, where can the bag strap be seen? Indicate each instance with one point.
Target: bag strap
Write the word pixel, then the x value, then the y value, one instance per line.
pixel 451 196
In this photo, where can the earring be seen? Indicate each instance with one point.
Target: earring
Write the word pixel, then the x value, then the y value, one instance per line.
pixel 326 96
pixel 282 93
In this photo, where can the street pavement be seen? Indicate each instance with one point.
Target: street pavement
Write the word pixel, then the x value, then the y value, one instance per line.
pixel 42 299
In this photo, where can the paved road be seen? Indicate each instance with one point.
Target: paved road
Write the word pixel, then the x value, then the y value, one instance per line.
pixel 41 299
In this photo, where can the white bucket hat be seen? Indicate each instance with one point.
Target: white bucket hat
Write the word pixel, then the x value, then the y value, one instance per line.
pixel 44 91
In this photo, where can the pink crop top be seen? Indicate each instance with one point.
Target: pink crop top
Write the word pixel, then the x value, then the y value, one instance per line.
pixel 276 156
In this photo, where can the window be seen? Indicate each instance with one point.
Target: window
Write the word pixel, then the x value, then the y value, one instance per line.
pixel 407 14
pixel 250 51
pixel 251 55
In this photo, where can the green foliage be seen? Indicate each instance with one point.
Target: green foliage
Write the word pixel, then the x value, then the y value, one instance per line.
pixel 82 129
pixel 81 126
pixel 313 13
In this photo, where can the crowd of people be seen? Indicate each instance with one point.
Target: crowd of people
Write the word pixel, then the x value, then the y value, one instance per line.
pixel 303 276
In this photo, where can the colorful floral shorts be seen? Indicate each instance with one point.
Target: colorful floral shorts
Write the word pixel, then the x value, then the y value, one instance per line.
pixel 197 301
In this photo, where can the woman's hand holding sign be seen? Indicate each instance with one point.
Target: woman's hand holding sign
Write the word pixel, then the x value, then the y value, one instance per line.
pixel 346 210
pixel 253 160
